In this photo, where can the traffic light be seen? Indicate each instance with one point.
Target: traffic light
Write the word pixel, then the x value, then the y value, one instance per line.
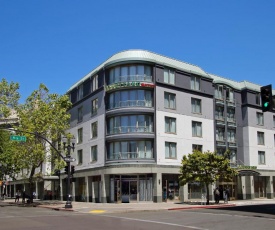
pixel 66 169
pixel 72 169
pixel 266 97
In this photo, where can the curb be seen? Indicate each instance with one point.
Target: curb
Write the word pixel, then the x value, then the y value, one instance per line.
pixel 56 208
pixel 205 207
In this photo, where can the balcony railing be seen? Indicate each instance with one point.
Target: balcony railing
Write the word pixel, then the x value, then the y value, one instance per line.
pixel 130 155
pixel 130 103
pixel 231 102
pixel 132 78
pixel 220 120
pixel 220 142
pixel 130 129
pixel 219 100
pixel 232 144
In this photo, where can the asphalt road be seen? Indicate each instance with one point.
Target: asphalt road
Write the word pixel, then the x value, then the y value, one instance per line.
pixel 239 217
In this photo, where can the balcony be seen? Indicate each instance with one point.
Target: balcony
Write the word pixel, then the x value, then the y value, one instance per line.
pixel 231 102
pixel 220 120
pixel 130 156
pixel 232 144
pixel 130 103
pixel 231 122
pixel 219 101
pixel 220 142
pixel 130 129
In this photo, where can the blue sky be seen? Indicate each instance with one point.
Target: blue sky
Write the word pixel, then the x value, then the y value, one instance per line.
pixel 57 42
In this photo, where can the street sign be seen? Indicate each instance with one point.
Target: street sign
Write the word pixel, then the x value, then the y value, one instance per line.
pixel 18 138
pixel 69 159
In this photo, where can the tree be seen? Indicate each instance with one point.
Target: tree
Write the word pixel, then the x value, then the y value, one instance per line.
pixel 8 97
pixel 206 168
pixel 44 114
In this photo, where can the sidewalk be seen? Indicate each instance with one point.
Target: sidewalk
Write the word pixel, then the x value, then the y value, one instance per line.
pixel 85 207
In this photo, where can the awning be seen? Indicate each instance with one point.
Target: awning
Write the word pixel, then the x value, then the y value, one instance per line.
pixel 248 172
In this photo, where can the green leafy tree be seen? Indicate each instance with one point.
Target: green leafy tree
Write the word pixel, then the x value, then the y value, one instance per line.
pixel 9 97
pixel 45 114
pixel 206 168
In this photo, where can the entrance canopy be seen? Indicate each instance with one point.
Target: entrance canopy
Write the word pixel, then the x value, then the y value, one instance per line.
pixel 248 172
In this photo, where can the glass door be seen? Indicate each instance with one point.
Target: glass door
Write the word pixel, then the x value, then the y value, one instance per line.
pixel 133 191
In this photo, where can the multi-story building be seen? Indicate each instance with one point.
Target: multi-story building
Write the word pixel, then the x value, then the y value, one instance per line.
pixel 138 113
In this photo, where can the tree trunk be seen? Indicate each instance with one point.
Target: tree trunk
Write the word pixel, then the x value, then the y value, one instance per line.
pixel 207 194
pixel 31 184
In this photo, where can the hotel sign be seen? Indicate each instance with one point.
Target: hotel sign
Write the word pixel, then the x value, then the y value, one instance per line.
pixel 129 84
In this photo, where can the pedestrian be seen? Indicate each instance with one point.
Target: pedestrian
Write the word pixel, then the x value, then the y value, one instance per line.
pixel 17 196
pixel 23 197
pixel 217 195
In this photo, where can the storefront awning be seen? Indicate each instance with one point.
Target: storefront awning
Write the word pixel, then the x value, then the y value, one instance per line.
pixel 248 172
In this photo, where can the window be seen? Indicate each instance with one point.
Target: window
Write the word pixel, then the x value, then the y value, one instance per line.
pixel 230 115
pixel 80 92
pixel 219 113
pixel 261 158
pixel 220 134
pixel 95 83
pixel 274 121
pixel 231 135
pixel 80 114
pixel 79 136
pixel 274 140
pixel 169 76
pixel 196 105
pixel 260 119
pixel 197 147
pixel 170 150
pixel 258 99
pixel 196 129
pixel 170 125
pixel 94 130
pixel 229 94
pixel 195 83
pixel 219 92
pixel 169 100
pixel 260 137
pixel 94 153
pixel 94 106
pixel 79 157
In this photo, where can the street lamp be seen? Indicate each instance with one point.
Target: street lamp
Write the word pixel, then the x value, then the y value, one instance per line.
pixel 67 146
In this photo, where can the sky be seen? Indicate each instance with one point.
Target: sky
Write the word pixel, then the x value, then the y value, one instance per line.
pixel 57 42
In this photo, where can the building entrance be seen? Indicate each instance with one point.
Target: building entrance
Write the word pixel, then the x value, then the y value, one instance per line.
pixel 260 186
pixel 128 191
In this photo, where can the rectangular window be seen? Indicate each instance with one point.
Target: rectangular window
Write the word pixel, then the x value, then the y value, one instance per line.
pixel 274 121
pixel 94 153
pixel 229 94
pixel 94 130
pixel 196 105
pixel 195 83
pixel 260 119
pixel 197 147
pixel 79 114
pixel 170 125
pixel 169 76
pixel 260 138
pixel 170 150
pixel 261 158
pixel 94 106
pixel 80 92
pixel 258 99
pixel 95 83
pixel 196 129
pixel 219 92
pixel 79 135
pixel 230 115
pixel 231 135
pixel 169 100
pixel 79 157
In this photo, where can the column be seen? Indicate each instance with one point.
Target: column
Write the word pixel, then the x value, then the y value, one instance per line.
pixel 269 187
pixel 87 188
pixel 105 188
pixel 157 191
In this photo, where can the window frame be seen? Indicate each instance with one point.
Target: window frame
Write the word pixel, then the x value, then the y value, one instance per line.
pixel 171 102
pixel 79 135
pixel 260 136
pixel 197 147
pixel 170 124
pixel 170 150
pixel 195 102
pixel 79 156
pixel 94 135
pixel 258 115
pixel 94 158
pixel 261 156
pixel 94 106
pixel 196 125
pixel 193 81
pixel 169 76
pixel 80 114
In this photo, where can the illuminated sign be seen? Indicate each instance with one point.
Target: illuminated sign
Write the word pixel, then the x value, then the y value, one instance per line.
pixel 129 84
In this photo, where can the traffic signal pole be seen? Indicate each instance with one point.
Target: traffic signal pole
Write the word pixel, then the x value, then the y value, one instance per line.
pixel 69 196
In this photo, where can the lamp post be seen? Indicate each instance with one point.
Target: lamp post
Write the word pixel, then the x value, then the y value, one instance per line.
pixel 67 146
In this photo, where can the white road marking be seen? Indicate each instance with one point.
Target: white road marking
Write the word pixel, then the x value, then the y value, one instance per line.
pixel 156 222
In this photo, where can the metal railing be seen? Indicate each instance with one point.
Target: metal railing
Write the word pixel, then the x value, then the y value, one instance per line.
pixel 130 103
pixel 132 78
pixel 130 156
pixel 130 129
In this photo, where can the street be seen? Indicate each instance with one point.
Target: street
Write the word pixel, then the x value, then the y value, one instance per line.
pixel 242 217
